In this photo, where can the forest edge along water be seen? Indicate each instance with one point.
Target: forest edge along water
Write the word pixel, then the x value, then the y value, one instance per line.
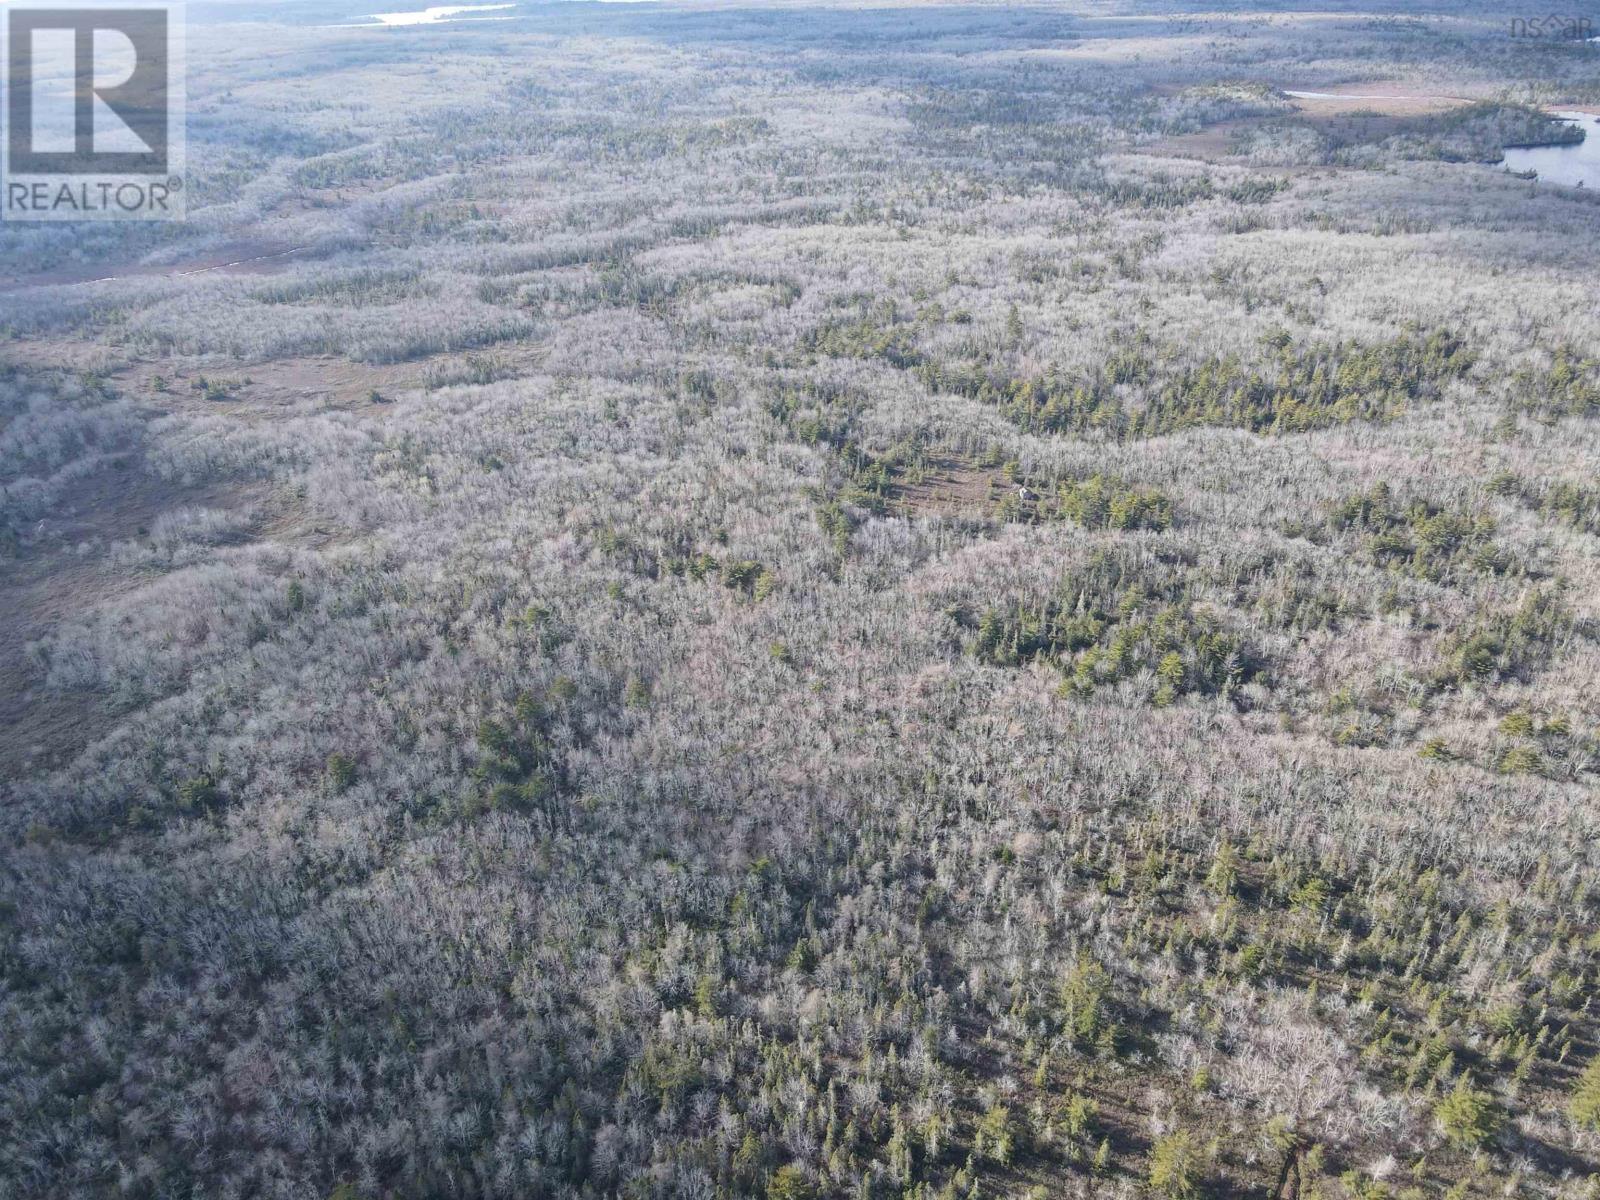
pixel 1572 164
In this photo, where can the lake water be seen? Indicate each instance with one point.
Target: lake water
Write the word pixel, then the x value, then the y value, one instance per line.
pixel 1575 165
pixel 1357 96
pixel 450 14
pixel 433 16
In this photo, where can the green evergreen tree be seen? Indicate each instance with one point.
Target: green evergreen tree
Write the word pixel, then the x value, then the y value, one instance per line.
pixel 1175 1167
pixel 1584 1107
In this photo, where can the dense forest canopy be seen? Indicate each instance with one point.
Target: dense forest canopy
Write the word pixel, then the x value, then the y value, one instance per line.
pixel 797 601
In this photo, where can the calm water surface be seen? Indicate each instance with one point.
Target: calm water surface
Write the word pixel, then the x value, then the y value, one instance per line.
pixel 1575 165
